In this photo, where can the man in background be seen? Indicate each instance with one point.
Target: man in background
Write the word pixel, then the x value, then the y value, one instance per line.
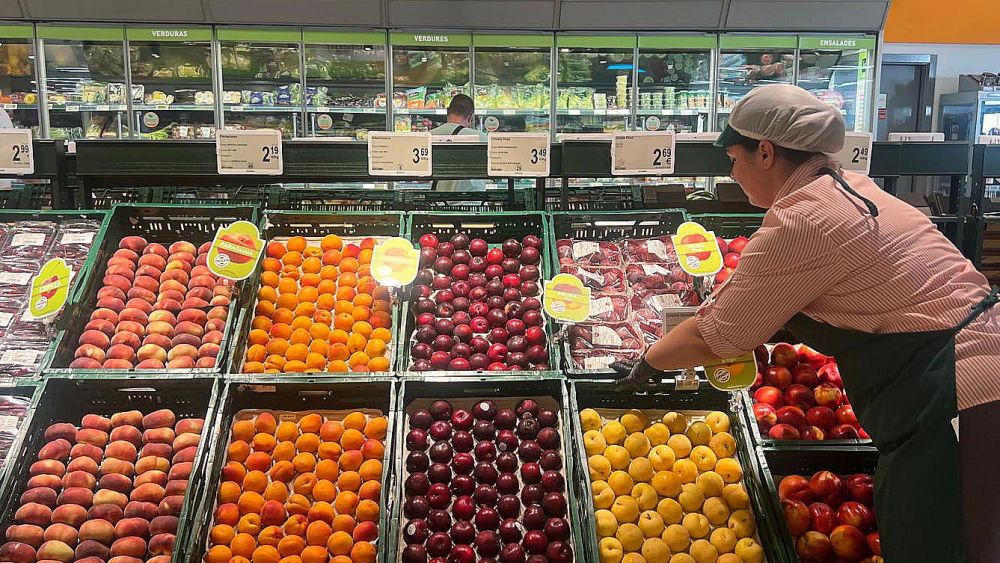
pixel 461 113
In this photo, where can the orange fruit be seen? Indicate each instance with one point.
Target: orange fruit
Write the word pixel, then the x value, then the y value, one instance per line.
pixel 297 352
pixel 332 257
pixel 340 543
pixel 253 367
pixel 367 511
pixel 363 328
pixel 331 242
pixel 327 469
pixel 265 308
pixel 363 552
pixel 312 265
pixel 300 336
pixel 301 323
pixel 323 316
pixel 376 427
pixel 320 347
pixel 370 490
pixel 308 294
pixel 256 353
pixel 297 244
pixel 352 439
pixel 346 503
pixel 292 258
pixel 278 347
pixel 305 309
pixel 296 366
pixel 315 361
pixel 371 469
pixel 288 300
pixel 348 481
pixel 270 265
pixel 266 293
pixel 381 319
pixel 283 316
pixel 344 523
pixel 310 280
pixel 337 366
pixel 357 342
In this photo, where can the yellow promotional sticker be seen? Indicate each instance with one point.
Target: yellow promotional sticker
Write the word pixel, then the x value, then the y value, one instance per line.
pixel 733 374
pixel 565 298
pixel 49 289
pixel 235 250
pixel 395 262
pixel 697 250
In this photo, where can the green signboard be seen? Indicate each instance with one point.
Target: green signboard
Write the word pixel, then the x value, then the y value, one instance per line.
pixel 431 39
pixel 260 35
pixel 836 42
pixel 79 33
pixel 513 40
pixel 596 41
pixel 168 33
pixel 16 32
pixel 326 37
pixel 678 41
pixel 757 41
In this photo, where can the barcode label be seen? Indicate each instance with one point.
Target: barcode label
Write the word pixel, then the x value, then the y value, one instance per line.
pixel 28 239
pixel 606 336
pixel 585 248
pixel 600 306
pixel 597 362
pixel 20 357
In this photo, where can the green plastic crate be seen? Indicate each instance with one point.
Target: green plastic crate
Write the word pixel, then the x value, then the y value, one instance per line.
pixel 663 396
pixel 316 224
pixel 334 199
pixel 468 202
pixel 730 225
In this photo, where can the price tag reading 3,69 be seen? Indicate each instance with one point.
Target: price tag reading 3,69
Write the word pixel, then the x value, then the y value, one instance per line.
pixel 399 154
pixel 635 153
pixel 856 155
pixel 249 152
pixel 518 154
pixel 16 152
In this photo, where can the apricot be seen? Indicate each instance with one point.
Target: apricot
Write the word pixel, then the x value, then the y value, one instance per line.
pixel 266 554
pixel 352 439
pixel 365 531
pixel 291 545
pixel 228 513
pixel 277 490
pixel 348 481
pixel 308 443
pixel 243 545
pixel 318 533
pixel 234 471
pixel 297 504
pixel 304 462
pixel 304 484
pixel 370 490
pixel 264 442
pixel 311 423
pixel 272 513
pixel 367 511
pixel 330 450
pixel 331 431
pixel 219 554
pixel 340 543
pixel 346 503
pixel 321 510
pixel 363 552
pixel 265 423
pixel 351 460
pixel 282 471
pixel 222 534
pixel 243 430
pixel 249 524
pixel 315 554
pixel 258 461
pixel 229 492
pixel 296 525
pixel 250 502
pixel 373 449
pixel 376 428
pixel 238 451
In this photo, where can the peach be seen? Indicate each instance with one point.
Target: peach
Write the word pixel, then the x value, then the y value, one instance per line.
pixel 121 450
pixel 136 315
pixel 75 495
pixel 124 559
pixel 186 440
pixel 174 271
pixel 154 260
pixel 163 418
pixel 175 288
pixel 83 464
pixel 110 512
pixel 223 290
pixel 233 471
pixel 47 467
pixel 89 351
pixel 163 525
pixel 145 511
pixel 45 481
pixel 157 477
pixel 92 559
pixel 61 532
pixel 117 364
pixel 134 243
pixel 137 328
pixel 182 350
pixel 194 303
pixel 123 252
pixel 176 487
pixel 107 327
pixel 55 550
pixel 214 334
pixel 163 316
pixel 202 293
pixel 209 350
pixel 137 527
pixel 130 546
pixel 105 314
pixel 148 271
pixel 107 496
pixel 61 430
pixel 147 492
pixel 186 340
pixel 185 454
pixel 34 513
pixel 96 421
pixel 220 300
pixel 182 246
pixel 171 506
pixel 17 552
pixel 161 340
pixel 121 351
pixel 85 363
pixel 98 530
pixel 69 514
pixel 87 450
pixel 79 479
pixel 151 352
pixel 189 425
pixel 160 327
pixel 120 270
pixel 91 548
pixel 40 495
pixel 182 362
pixel 196 316
pixel 152 463
pixel 93 436
pixel 111 465
pixel 228 513
pixel 111 291
pixel 156 450
pixel 272 513
pixel 95 337
pixel 157 249
pixel 180 471
pixel 127 418
pixel 366 531
pixel 115 482
pixel 177 265
pixel 162 544
pixel 126 338
pixel 123 260
pixel 202 281
pixel 140 305
pixel 146 282
pixel 129 434
pixel 112 303
pixel 218 313
pixel 189 327
pixel 26 533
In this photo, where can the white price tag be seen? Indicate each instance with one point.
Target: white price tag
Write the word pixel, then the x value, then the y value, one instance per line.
pixel 20 357
pixel 598 362
pixel 518 154
pixel 72 108
pixel 583 248
pixel 9 423
pixel 17 155
pixel 28 239
pixel 650 269
pixel 600 306
pixel 636 153
pixel 916 137
pixel 257 152
pixel 606 336
pixel 711 137
pixel 856 155
pixel 77 238
pixel 103 108
pixel 665 301
pixel 5 319
pixel 988 140
pixel 12 278
pixel 657 247
pixel 399 154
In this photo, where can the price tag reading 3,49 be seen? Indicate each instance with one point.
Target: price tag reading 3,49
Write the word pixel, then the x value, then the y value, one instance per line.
pixel 249 152
pixel 518 154
pixel 399 154
pixel 635 153
pixel 856 155
pixel 16 152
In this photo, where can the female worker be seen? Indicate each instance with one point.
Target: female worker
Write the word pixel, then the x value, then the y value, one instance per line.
pixel 856 273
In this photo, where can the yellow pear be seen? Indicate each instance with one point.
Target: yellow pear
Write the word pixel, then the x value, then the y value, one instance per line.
pixel 718 421
pixel 594 442
pixel 658 433
pixel 703 552
pixel 610 550
pixel 590 420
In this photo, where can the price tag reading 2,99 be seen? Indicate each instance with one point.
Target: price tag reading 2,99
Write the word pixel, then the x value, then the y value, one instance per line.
pixel 399 154
pixel 636 153
pixel 16 152
pixel 255 152
pixel 856 155
pixel 518 154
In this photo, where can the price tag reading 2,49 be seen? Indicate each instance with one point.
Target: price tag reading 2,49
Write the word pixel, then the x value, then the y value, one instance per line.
pixel 636 153
pixel 856 155
pixel 16 152
pixel 518 154
pixel 399 154
pixel 249 152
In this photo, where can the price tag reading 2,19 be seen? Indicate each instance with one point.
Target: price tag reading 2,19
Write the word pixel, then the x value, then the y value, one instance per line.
pixel 636 153
pixel 399 154
pixel 249 152
pixel 16 152
pixel 856 155
pixel 518 154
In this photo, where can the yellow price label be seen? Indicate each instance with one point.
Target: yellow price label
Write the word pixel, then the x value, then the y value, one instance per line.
pixel 733 374
pixel 566 299
pixel 49 289
pixel 235 250
pixel 697 250
pixel 395 262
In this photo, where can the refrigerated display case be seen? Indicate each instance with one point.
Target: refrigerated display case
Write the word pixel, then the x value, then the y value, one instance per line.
pixel 18 89
pixel 512 82
pixel 972 111
pixel 428 69
pixel 84 77
pixel 345 83
pixel 261 75
pixel 675 83
pixel 172 88
pixel 748 61
pixel 840 70
pixel 594 83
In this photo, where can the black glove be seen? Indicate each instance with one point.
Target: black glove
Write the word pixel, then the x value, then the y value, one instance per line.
pixel 636 376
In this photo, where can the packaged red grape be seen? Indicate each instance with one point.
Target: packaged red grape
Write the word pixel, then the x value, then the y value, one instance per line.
pixel 615 336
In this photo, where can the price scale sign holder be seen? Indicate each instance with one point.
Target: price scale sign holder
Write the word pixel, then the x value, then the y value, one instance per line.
pixel 856 156
pixel 522 155
pixel 643 153
pixel 399 154
pixel 17 156
pixel 252 152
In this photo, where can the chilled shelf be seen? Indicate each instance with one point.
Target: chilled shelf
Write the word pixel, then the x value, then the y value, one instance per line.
pixel 261 109
pixel 703 111
pixel 10 107
pixel 593 111
pixel 174 107
pixel 331 109
pixel 88 107
pixel 499 111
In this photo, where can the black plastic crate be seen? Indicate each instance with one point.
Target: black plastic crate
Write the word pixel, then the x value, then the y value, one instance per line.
pixel 251 195
pixel 594 198
pixel 67 400
pixel 730 225
pixel 303 395
pixel 768 443
pixel 663 396
pixel 334 199
pixel 106 198
pixel 468 202
pixel 156 223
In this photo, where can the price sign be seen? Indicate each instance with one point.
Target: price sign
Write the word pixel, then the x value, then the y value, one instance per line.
pixel 235 250
pixel 16 152
pixel 399 154
pixel 988 140
pixel 395 262
pixel 518 154
pixel 856 155
pixel 916 137
pixel 49 289
pixel 636 153
pixel 255 152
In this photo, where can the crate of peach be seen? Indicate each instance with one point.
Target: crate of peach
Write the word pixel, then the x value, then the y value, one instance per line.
pixel 300 474
pixel 317 307
pixel 108 470
pixel 668 476
pixel 799 399
pixel 151 305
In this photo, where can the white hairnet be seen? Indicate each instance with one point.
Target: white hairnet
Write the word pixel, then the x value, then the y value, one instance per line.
pixel 789 117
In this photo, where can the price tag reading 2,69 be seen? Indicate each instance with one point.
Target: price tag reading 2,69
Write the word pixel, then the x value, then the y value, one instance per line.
pixel 636 153
pixel 856 155
pixel 16 152
pixel 518 154
pixel 399 154
pixel 255 152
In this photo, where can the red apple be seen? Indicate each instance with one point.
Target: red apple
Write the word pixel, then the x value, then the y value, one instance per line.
pixel 824 483
pixel 843 432
pixel 845 415
pixel 795 487
pixel 784 355
pixel 829 373
pixel 828 395
pixel 792 416
pixel 823 417
pixel 861 487
pixel 875 543
pixel 814 546
pixel 813 433
pixel 778 376
pixel 738 244
pixel 796 516
pixel 805 374
pixel 731 260
pixel 799 396
pixel 822 518
pixel 848 542
pixel 855 514
pixel 812 357
pixel 770 395
pixel 784 432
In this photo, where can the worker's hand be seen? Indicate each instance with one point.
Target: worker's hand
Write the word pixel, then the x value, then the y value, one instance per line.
pixel 635 376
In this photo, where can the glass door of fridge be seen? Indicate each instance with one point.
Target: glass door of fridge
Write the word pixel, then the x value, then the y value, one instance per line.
pixel 512 82
pixel 594 83
pixel 840 71
pixel 675 83
pixel 428 70
pixel 172 92
pixel 18 88
pixel 345 83
pixel 261 79
pixel 748 61
pixel 85 87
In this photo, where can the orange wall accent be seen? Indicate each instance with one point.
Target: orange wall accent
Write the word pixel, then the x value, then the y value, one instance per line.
pixel 934 21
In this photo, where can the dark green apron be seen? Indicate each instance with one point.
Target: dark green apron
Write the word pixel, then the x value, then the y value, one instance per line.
pixel 902 388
